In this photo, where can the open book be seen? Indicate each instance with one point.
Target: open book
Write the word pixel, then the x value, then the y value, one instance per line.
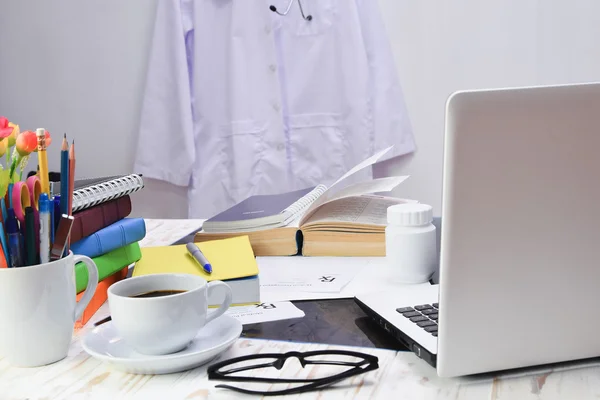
pixel 340 220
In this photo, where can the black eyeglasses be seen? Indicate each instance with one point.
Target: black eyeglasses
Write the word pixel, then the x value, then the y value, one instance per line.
pixel 357 363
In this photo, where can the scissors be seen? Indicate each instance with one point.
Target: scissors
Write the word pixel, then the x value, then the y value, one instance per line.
pixel 26 194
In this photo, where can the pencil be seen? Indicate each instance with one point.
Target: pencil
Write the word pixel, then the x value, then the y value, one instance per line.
pixel 64 176
pixel 43 160
pixel 71 187
pixel 71 178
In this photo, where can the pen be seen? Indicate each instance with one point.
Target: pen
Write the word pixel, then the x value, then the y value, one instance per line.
pixel 30 258
pixel 43 160
pixel 51 206
pixel 4 243
pixel 196 253
pixel 56 215
pixel 14 239
pixel 45 227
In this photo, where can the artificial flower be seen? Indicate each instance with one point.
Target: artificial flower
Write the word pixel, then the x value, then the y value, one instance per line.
pixel 26 143
pixel 3 146
pixel 13 136
pixel 5 130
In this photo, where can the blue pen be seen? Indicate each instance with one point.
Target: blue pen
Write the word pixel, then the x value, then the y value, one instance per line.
pixel 51 206
pixel 4 214
pixel 45 227
pixel 14 239
pixel 198 256
pixel 57 214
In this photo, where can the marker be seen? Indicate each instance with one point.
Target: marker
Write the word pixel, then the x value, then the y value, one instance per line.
pixel 14 239
pixel 198 256
pixel 45 227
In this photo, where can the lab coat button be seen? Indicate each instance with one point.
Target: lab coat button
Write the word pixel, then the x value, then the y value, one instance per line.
pixel 280 147
pixel 276 107
pixel 272 67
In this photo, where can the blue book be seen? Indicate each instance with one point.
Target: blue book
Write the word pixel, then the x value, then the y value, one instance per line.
pixel 114 236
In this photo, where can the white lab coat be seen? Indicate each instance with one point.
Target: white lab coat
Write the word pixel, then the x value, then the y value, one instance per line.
pixel 242 101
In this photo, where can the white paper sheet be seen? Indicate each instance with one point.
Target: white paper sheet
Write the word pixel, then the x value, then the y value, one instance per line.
pixel 265 312
pixel 165 232
pixel 299 274
pixel 372 275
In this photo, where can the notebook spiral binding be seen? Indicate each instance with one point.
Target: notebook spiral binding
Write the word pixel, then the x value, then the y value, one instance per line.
pixel 99 193
pixel 306 200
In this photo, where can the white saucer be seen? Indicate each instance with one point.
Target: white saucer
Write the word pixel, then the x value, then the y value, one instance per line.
pixel 105 343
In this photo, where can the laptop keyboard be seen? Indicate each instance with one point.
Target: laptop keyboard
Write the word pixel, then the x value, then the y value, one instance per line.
pixel 424 315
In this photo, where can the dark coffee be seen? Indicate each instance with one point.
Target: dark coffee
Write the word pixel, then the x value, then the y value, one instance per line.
pixel 158 293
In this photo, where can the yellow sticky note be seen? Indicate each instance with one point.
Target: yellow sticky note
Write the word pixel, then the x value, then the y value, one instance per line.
pixel 230 259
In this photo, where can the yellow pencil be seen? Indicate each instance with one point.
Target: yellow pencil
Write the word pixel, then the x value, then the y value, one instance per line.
pixel 43 160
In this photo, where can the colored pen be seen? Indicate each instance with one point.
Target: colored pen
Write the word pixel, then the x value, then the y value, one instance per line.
pixel 43 160
pixel 3 262
pixel 196 253
pixel 64 177
pixel 45 227
pixel 63 232
pixel 30 258
pixel 51 206
pixel 57 214
pixel 4 243
pixel 3 205
pixel 14 239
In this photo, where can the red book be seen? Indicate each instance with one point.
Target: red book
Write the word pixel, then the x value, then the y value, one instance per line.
pixel 91 220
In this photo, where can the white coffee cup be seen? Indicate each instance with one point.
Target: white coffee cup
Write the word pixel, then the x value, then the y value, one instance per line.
pixel 38 310
pixel 165 324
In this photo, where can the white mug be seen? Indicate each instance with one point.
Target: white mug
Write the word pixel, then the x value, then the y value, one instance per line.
pixel 166 324
pixel 38 310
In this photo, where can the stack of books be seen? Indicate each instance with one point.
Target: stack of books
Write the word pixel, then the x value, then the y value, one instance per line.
pixel 344 219
pixel 102 231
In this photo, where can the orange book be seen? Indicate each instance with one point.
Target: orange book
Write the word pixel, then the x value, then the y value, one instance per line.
pixel 100 296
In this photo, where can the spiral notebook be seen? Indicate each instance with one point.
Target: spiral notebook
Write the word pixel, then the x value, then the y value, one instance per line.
pixel 91 192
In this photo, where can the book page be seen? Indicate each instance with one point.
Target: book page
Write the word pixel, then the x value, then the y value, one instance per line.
pixel 357 189
pixel 330 192
pixel 368 210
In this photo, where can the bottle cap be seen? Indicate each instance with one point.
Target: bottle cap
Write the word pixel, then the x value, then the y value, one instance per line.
pixel 44 203
pixel 411 214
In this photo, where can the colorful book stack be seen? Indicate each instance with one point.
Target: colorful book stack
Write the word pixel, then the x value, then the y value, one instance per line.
pixel 102 231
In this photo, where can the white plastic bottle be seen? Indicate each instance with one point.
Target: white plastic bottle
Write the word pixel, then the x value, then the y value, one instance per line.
pixel 410 242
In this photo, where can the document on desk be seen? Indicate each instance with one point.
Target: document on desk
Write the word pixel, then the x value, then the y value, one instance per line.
pixel 371 274
pixel 299 274
pixel 265 312
pixel 165 232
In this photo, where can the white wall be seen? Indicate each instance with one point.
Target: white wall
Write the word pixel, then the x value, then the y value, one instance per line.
pixel 79 67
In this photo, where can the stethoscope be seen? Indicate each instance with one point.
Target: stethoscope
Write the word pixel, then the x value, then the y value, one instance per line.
pixel 306 17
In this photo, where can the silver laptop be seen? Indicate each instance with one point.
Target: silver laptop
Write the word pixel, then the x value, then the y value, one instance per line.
pixel 520 239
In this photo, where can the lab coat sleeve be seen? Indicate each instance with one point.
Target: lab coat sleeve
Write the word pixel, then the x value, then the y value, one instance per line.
pixel 166 149
pixel 391 123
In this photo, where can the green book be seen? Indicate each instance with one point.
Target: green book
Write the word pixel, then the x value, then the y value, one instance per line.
pixel 108 264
